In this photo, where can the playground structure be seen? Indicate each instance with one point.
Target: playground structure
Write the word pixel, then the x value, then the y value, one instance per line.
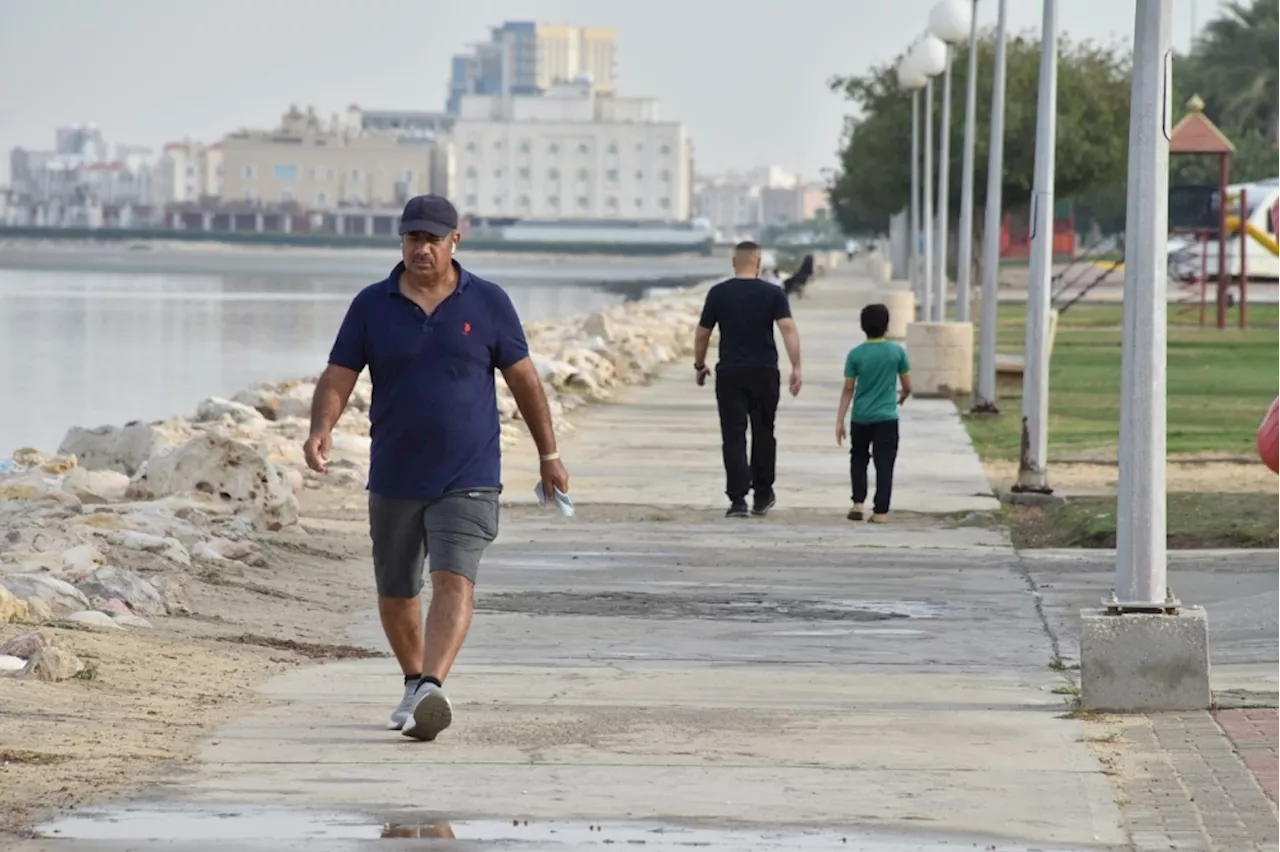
pixel 1240 220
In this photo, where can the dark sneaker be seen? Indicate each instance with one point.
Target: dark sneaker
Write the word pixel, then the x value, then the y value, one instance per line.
pixel 855 515
pixel 761 508
pixel 431 714
pixel 738 509
pixel 404 708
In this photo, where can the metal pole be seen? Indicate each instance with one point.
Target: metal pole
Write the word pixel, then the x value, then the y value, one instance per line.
pixel 991 230
pixel 1033 459
pixel 964 239
pixel 926 215
pixel 944 197
pixel 915 192
pixel 1140 499
pixel 1244 270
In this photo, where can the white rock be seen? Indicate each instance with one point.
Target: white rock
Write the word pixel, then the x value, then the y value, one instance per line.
pixel 169 548
pixel 599 325
pixel 11 666
pixel 60 595
pixel 233 472
pixel 132 621
pixel 96 486
pixel 122 448
pixel 81 560
pixel 92 618
pixel 215 408
pixel 223 549
pixel 110 582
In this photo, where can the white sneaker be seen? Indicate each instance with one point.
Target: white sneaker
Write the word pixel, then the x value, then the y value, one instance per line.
pixel 404 708
pixel 431 714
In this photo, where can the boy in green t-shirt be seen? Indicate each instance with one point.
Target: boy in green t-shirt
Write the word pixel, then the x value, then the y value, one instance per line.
pixel 872 371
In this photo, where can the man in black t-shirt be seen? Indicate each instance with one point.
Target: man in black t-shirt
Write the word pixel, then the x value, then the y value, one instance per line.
pixel 747 379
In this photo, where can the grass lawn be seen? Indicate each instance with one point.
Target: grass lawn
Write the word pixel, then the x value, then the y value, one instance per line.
pixel 1194 521
pixel 1220 384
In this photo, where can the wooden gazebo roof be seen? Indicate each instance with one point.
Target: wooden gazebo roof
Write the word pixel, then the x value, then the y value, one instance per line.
pixel 1196 134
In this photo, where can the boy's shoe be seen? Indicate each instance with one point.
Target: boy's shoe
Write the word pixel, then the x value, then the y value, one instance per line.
pixel 405 707
pixel 879 519
pixel 856 514
pixel 737 509
pixel 431 714
pixel 762 507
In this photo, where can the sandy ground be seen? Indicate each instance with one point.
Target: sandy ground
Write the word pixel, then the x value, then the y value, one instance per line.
pixel 1192 474
pixel 147 696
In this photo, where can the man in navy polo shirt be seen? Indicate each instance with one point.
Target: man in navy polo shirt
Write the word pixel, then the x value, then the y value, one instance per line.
pixel 432 335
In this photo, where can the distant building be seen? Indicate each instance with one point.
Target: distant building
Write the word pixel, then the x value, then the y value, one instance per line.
pixel 319 165
pixel 570 153
pixel 188 172
pixel 743 204
pixel 527 58
pixel 79 182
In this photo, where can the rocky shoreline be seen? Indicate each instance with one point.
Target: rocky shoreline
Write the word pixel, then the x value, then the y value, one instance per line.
pixel 107 533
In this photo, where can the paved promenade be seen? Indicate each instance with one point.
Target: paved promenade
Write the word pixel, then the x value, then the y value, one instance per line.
pixel 649 671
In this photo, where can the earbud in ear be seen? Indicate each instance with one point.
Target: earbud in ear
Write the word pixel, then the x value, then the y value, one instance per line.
pixel 453 248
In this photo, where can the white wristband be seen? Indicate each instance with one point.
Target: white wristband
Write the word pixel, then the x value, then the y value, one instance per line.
pixel 549 457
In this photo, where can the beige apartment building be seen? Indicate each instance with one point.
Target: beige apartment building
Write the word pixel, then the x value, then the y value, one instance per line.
pixel 320 165
pixel 567 53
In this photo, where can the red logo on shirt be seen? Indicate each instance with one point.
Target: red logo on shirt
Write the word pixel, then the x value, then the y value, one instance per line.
pixel 466 329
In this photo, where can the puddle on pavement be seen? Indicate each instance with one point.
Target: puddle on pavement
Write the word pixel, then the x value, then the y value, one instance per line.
pixel 233 827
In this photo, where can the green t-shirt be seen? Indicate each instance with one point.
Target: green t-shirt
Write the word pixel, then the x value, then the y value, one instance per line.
pixel 876 366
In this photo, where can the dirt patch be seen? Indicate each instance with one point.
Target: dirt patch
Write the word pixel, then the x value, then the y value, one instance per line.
pixel 154 694
pixel 1191 474
pixel 310 650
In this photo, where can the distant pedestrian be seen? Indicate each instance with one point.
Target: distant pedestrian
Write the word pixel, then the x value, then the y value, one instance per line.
pixel 794 285
pixel 747 379
pixel 431 334
pixel 872 373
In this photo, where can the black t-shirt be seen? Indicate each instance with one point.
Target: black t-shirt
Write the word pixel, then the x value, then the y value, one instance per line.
pixel 746 310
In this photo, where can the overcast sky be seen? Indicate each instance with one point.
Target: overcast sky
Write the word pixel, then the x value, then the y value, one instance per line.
pixel 748 77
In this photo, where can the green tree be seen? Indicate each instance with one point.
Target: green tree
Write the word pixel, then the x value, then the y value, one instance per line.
pixel 1233 67
pixel 1092 128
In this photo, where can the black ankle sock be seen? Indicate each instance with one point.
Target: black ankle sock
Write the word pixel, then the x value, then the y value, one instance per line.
pixel 432 680
pixel 413 678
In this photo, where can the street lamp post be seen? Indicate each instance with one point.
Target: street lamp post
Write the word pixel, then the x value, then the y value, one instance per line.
pixel 911 79
pixel 1033 458
pixel 949 22
pixel 1140 500
pixel 964 261
pixel 986 396
pixel 930 58
pixel 1144 651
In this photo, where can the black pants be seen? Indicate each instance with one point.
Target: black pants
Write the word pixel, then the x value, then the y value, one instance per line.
pixel 748 396
pixel 878 442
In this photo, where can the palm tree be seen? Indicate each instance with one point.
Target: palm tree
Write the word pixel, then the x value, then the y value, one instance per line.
pixel 1233 67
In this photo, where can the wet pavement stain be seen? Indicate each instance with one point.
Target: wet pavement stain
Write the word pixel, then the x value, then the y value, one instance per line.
pixel 236 828
pixel 738 607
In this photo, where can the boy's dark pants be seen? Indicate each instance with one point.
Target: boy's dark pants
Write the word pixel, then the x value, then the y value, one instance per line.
pixel 878 442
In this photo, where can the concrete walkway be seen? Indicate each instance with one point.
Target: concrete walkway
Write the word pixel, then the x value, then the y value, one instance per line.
pixel 651 661
pixel 660 445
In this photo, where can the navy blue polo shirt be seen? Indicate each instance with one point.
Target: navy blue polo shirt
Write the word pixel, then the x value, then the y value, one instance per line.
pixel 434 410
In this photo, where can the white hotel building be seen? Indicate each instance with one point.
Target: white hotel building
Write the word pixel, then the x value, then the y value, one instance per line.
pixel 569 153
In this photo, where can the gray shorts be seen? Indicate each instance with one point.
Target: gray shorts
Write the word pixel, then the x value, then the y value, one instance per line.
pixel 452 531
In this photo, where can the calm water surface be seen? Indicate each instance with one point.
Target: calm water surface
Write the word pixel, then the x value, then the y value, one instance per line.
pixel 90 348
